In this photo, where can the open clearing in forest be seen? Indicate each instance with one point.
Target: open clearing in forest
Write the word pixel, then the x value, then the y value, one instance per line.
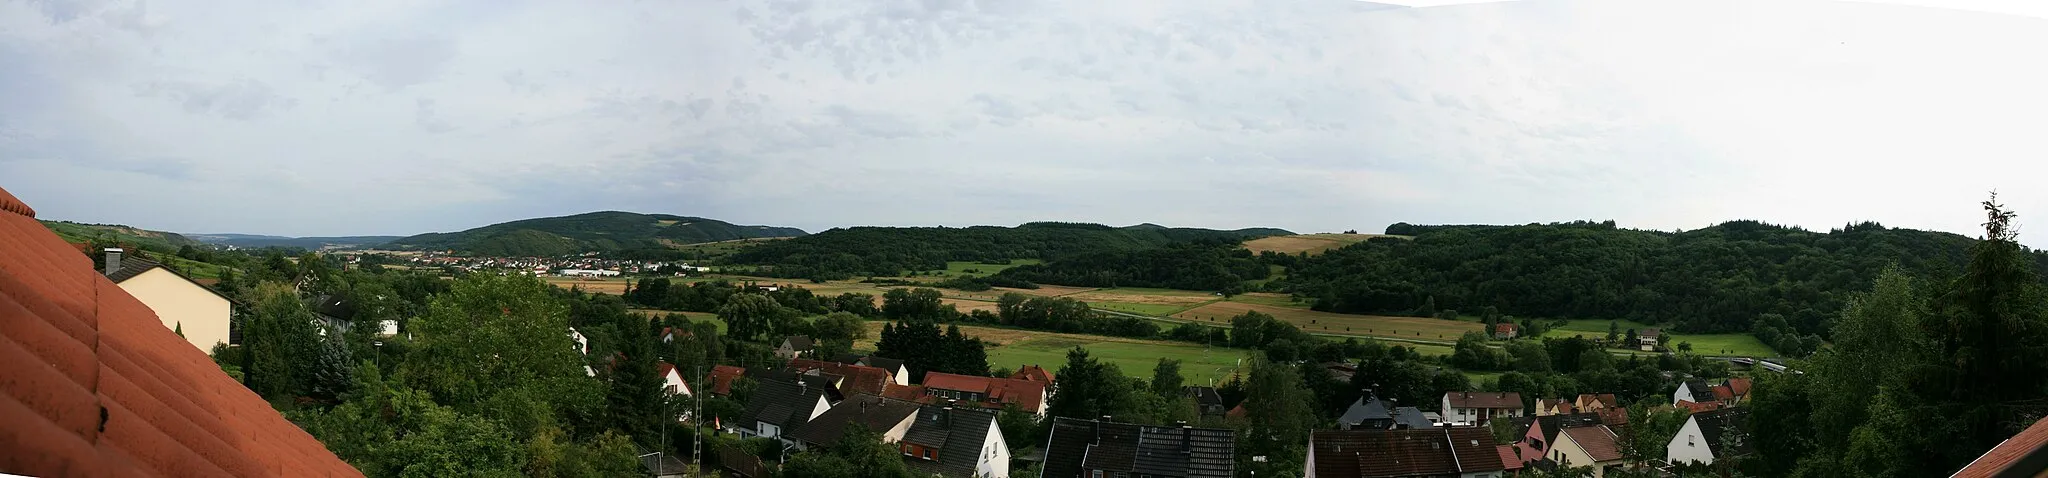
pixel 1014 348
pixel 1412 328
pixel 1310 243
pixel 1704 344
pixel 1270 299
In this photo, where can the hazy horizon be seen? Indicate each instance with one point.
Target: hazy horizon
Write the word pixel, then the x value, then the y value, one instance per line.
pixel 349 119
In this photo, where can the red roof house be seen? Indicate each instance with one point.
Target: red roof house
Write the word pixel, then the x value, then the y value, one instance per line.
pixel 987 392
pixel 1033 373
pixel 96 386
pixel 2025 454
pixel 856 378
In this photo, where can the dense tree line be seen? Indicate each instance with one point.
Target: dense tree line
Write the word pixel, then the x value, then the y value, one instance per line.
pixel 891 251
pixel 1924 372
pixel 1716 279
pixel 1206 264
pixel 923 347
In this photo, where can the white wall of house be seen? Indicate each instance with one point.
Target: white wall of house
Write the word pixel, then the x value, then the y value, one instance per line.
pixel 1689 445
pixel 1684 393
pixel 994 460
pixel 902 376
pixel 674 383
pixel 1569 453
pixel 182 304
pixel 895 434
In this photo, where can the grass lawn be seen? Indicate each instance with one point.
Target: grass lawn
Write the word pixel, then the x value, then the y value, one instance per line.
pixel 1013 348
pixel 1331 323
pixel 1270 299
pixel 694 316
pixel 1155 310
pixel 1482 377
pixel 1704 344
pixel 963 268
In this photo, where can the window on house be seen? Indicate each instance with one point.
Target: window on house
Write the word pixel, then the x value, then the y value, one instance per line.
pixel 927 454
pixel 1095 474
pixel 1688 440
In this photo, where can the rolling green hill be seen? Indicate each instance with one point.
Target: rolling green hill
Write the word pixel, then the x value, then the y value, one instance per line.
pixel 309 243
pixel 118 234
pixel 607 232
pixel 889 251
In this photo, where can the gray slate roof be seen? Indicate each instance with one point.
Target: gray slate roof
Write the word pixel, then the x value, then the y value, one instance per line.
pixel 781 403
pixel 1366 408
pixel 1411 417
pixel 876 413
pixel 958 433
pixel 1077 445
pixel 1714 424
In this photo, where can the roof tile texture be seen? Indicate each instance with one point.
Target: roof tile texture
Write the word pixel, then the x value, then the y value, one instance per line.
pixel 74 343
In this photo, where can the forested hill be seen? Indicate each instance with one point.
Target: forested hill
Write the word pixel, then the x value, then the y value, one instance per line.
pixel 111 234
pixel 1716 279
pixel 889 251
pixel 609 231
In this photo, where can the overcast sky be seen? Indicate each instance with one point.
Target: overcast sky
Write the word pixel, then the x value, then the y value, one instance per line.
pixel 352 117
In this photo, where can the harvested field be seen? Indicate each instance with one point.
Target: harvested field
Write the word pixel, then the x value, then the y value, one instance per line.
pixel 1129 296
pixel 608 286
pixel 1338 324
pixel 1310 243
pixel 1270 299
pixel 968 306
pixel 1045 290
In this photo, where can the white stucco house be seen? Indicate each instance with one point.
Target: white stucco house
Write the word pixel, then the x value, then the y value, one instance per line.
pixel 200 314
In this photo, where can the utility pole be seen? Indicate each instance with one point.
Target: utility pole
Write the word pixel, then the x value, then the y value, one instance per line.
pixel 697 421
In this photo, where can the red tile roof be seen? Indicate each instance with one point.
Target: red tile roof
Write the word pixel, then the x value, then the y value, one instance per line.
pixel 722 377
pixel 96 386
pixel 1723 393
pixel 859 378
pixel 1504 328
pixel 1740 386
pixel 1484 399
pixel 1605 399
pixel 1028 395
pixel 1033 372
pixel 2006 458
pixel 1238 412
pixel 1598 441
pixel 1508 459
pixel 903 392
pixel 1616 416
pixel 1697 407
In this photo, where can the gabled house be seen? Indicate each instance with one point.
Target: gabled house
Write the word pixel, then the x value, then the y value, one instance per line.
pixel 1207 399
pixel 1646 340
pixel 1368 412
pixel 197 312
pixel 1505 331
pixel 1539 441
pixel 2025 454
pixel 795 346
pixel 888 417
pixel 1097 448
pixel 849 378
pixel 582 343
pixel 1476 408
pixel 956 442
pixel 333 312
pixel 1726 394
pixel 987 392
pixel 1465 452
pixel 672 379
pixel 1695 390
pixel 1590 402
pixel 1033 373
pixel 1709 436
pixel 779 407
pixel 1594 446
pixel 1554 406
pixel 897 372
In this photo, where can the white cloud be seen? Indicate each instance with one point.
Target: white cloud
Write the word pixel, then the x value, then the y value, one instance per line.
pixel 1315 115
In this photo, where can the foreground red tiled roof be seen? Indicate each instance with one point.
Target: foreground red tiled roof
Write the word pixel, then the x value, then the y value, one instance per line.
pixel 1508 459
pixel 1028 395
pixel 1484 399
pixel 859 378
pixel 2007 458
pixel 96 386
pixel 722 377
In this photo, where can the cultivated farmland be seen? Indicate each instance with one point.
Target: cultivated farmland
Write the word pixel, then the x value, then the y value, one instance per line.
pixel 1309 243
pixel 1704 344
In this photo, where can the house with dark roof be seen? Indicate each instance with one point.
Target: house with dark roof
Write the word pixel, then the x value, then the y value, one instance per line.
pixel 889 417
pixel 1728 393
pixel 1709 436
pixel 2023 455
pixel 795 346
pixel 1207 399
pixel 1476 408
pixel 956 442
pixel 1034 373
pixel 780 407
pixel 1596 447
pixel 1369 412
pixel 849 378
pixel 1099 448
pixel 1694 390
pixel 987 392
pixel 202 315
pixel 97 384
pixel 1539 440
pixel 1430 452
pixel 897 371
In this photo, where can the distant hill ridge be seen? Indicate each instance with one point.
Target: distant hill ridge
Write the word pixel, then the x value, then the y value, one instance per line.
pixel 316 242
pixel 604 231
pixel 887 251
